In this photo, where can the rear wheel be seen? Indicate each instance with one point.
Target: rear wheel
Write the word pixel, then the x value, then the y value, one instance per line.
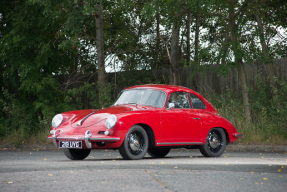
pixel 135 144
pixel 215 143
pixel 158 152
pixel 76 154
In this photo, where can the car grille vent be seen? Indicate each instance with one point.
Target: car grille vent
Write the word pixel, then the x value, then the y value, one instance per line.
pixel 100 144
pixel 101 132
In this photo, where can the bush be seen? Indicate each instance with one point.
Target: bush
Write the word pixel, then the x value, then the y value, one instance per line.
pixel 19 118
pixel 270 105
pixel 23 119
pixel 269 113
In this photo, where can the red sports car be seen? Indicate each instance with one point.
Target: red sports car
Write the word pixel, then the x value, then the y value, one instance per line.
pixel 145 119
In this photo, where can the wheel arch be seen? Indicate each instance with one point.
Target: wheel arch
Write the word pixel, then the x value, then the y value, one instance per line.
pixel 226 134
pixel 149 132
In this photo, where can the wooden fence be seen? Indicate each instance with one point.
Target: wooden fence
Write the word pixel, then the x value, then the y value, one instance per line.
pixel 209 82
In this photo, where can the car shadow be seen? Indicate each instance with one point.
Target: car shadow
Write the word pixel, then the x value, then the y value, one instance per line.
pixel 145 158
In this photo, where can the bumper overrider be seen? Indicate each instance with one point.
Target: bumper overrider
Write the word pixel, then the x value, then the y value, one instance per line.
pixel 237 135
pixel 87 138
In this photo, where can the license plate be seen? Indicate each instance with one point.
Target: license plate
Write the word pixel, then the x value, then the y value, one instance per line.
pixel 71 144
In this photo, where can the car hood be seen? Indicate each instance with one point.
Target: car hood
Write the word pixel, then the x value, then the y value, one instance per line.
pixel 91 117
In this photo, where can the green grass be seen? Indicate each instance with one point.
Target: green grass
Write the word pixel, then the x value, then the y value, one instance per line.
pixel 18 138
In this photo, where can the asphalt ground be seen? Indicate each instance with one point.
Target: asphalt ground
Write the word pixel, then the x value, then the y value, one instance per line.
pixel 105 170
pixel 230 147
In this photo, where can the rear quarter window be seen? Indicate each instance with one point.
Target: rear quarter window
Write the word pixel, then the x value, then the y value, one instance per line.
pixel 196 102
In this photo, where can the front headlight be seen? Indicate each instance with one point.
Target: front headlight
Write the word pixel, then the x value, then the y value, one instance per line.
pixel 57 120
pixel 111 121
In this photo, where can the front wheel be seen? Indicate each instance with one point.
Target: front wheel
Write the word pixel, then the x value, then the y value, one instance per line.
pixel 215 143
pixel 135 144
pixel 76 154
pixel 158 152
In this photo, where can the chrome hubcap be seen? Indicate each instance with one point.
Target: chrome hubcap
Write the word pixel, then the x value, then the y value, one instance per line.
pixel 134 142
pixel 214 141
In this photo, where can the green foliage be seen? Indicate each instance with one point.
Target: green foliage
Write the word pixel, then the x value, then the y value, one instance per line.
pixel 26 119
pixel 269 113
pixel 270 106
pixel 20 119
pixel 86 96
pixel 41 38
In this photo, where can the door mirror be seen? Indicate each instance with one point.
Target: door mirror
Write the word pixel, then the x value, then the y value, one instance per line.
pixel 170 105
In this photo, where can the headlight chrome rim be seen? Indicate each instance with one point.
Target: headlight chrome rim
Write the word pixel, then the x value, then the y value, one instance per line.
pixel 57 120
pixel 111 121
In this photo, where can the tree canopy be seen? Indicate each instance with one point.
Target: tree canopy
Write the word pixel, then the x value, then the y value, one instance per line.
pixel 40 39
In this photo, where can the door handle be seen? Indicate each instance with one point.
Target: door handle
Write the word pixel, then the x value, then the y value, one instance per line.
pixel 196 118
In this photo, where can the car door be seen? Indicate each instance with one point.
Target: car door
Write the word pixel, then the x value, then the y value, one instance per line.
pixel 181 124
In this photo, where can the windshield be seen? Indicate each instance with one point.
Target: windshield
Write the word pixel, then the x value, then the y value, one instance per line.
pixel 148 97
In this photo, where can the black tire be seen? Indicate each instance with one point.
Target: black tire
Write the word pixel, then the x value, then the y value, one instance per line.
pixel 135 144
pixel 215 143
pixel 158 152
pixel 76 154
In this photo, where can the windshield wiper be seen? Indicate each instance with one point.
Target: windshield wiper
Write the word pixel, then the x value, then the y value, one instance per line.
pixel 130 103
pixel 149 105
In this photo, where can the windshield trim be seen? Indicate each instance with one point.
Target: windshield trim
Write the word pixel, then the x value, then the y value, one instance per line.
pixel 143 89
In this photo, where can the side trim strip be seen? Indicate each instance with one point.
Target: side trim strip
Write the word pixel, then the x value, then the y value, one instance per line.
pixel 180 143
pixel 104 139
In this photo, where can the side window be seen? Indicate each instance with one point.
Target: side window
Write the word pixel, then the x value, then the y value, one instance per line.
pixel 196 102
pixel 180 100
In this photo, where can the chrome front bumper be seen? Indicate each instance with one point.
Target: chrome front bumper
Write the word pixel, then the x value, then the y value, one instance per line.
pixel 87 138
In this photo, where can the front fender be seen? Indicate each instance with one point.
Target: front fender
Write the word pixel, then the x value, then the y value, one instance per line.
pixel 126 121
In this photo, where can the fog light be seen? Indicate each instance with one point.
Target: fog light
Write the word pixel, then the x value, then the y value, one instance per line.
pixel 107 132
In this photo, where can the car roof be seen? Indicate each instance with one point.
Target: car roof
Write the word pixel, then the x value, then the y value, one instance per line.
pixel 172 88
pixel 162 87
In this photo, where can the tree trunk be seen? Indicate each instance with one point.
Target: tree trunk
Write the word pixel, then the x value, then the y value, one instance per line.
pixel 100 52
pixel 238 59
pixel 243 81
pixel 188 40
pixel 157 39
pixel 266 62
pixel 175 48
pixel 172 71
pixel 196 41
pixel 224 47
pixel 181 44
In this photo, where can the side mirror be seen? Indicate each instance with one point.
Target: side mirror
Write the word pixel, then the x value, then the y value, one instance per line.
pixel 170 105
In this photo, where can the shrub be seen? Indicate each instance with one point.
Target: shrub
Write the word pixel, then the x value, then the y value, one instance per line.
pixel 23 119
pixel 269 113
